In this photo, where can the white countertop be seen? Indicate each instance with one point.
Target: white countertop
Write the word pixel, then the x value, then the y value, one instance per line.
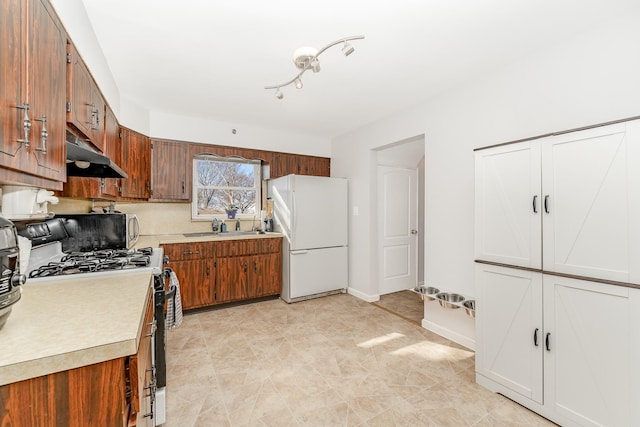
pixel 63 325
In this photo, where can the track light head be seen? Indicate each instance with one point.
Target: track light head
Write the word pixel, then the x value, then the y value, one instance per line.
pixel 315 65
pixel 306 58
pixel 347 49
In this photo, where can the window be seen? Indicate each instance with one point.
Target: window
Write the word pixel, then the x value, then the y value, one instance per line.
pixel 222 183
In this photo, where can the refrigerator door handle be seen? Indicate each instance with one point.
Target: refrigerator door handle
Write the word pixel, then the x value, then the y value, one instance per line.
pixel 293 213
pixel 298 252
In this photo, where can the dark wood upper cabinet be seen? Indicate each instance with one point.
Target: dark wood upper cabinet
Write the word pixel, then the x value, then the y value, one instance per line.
pixel 170 171
pixel 85 104
pixel 285 164
pixel 136 162
pixel 32 72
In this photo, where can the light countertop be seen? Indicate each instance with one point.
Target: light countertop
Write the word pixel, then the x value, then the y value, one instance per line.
pixel 167 239
pixel 62 325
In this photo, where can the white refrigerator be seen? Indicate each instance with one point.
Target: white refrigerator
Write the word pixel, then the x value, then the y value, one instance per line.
pixel 312 213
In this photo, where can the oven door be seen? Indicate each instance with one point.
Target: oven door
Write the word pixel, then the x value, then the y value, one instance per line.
pixel 161 295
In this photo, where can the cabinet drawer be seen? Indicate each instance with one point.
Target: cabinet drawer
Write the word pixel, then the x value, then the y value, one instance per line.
pixel 249 247
pixel 188 251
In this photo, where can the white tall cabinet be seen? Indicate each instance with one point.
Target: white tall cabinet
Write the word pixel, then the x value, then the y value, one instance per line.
pixel 557 274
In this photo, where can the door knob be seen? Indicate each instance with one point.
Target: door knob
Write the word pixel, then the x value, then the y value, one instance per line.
pixel 414 231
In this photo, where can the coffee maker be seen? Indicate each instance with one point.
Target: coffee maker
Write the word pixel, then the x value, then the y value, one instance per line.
pixel 10 277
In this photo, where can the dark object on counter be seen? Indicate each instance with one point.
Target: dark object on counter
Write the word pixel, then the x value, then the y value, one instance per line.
pixel 52 230
pixel 10 277
pixel 268 224
pixel 223 227
pixel 88 232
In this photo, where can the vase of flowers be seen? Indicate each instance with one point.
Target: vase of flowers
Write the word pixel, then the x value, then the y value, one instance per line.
pixel 231 211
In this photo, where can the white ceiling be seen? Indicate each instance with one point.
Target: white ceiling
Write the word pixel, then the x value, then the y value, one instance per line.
pixel 212 58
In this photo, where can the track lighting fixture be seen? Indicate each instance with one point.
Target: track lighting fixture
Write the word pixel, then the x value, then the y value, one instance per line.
pixel 306 58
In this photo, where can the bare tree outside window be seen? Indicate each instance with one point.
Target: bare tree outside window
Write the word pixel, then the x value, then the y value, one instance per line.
pixel 222 185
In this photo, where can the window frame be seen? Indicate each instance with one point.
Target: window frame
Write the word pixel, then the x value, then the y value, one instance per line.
pixel 257 186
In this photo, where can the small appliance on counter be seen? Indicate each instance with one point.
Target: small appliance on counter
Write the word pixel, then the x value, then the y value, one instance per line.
pixel 10 277
pixel 100 231
pixel 22 203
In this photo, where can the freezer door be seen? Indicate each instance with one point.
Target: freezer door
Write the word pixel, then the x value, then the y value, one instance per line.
pixel 319 212
pixel 317 271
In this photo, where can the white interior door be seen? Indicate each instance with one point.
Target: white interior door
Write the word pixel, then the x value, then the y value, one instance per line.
pixel 398 215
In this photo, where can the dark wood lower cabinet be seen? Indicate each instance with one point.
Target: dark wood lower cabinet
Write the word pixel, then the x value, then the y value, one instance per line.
pixel 88 396
pixel 219 272
pixel 197 282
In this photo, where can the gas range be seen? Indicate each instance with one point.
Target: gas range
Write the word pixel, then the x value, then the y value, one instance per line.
pixel 48 262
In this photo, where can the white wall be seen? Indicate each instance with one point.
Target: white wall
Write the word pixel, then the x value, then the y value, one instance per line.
pixel 589 79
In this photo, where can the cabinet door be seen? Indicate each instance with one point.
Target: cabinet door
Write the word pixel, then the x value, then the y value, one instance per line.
pixel 508 205
pixel 197 282
pixel 12 86
pixel 113 150
pixel 171 171
pixel 45 94
pixel 590 182
pixel 267 274
pixel 231 278
pixel 591 364
pixel 509 330
pixel 80 113
pixel 141 373
pixel 136 161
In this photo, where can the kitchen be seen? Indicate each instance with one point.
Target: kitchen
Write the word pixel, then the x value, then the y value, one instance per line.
pixel 555 87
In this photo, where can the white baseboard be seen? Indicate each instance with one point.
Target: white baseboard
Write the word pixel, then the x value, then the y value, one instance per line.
pixel 365 297
pixel 449 334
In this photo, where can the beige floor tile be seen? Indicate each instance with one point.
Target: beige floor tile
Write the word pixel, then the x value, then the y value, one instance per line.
pixel 333 361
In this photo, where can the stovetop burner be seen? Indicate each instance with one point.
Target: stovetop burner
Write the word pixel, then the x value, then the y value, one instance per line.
pixel 94 261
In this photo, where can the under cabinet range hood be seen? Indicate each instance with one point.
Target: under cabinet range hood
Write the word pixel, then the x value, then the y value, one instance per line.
pixel 82 160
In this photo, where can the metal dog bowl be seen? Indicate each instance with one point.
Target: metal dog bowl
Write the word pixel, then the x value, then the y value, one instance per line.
pixel 426 292
pixel 470 307
pixel 449 300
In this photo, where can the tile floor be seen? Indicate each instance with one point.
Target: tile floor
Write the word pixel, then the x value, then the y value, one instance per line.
pixel 405 304
pixel 333 361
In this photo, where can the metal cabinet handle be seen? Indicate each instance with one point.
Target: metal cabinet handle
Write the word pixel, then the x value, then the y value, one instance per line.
pixel 245 267
pixel 43 135
pixel 535 337
pixel 182 187
pixel 535 204
pixel 26 123
pixel 546 341
pixel 546 204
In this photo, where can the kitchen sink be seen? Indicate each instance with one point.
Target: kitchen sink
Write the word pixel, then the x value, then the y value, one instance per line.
pixel 228 233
